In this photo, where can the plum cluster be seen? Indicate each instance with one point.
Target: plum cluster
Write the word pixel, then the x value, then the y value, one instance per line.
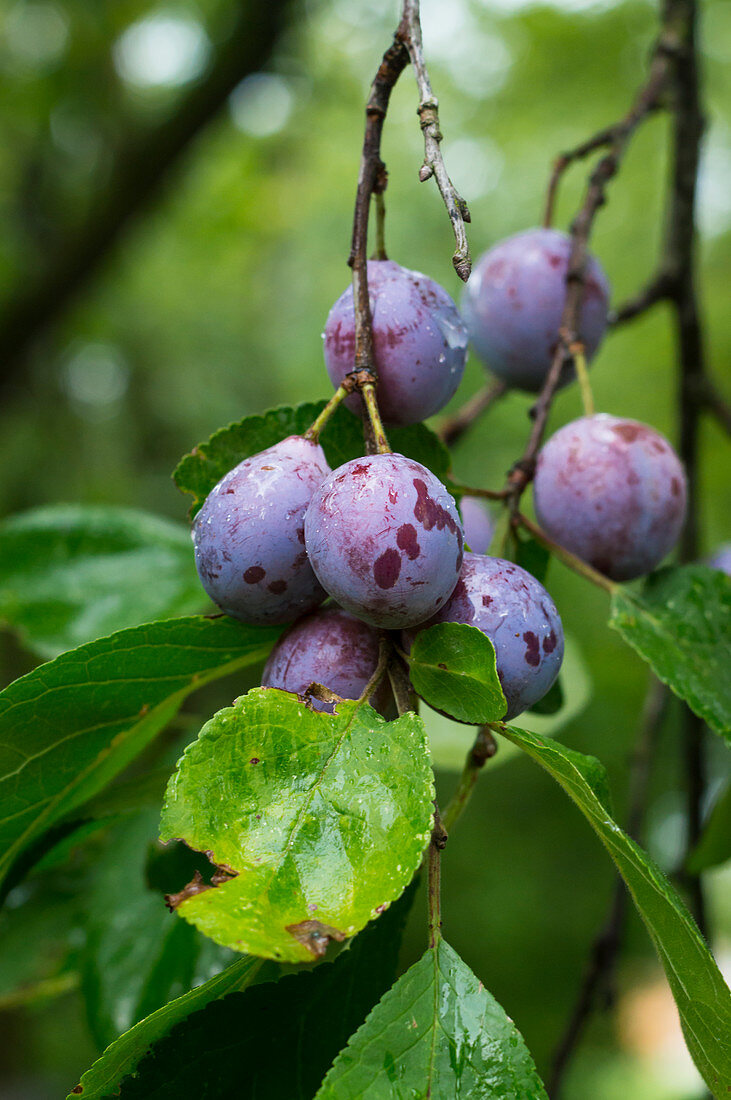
pixel 380 537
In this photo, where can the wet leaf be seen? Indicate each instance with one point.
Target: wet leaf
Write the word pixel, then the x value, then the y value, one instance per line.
pixel 702 996
pixel 437 1033
pixel 452 668
pixel 72 573
pixel 321 819
pixel 681 625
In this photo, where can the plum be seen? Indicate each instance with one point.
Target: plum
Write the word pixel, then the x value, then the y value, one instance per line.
pixel 332 648
pixel 249 538
pixel 420 343
pixel 513 303
pixel 384 538
pixel 519 617
pixel 477 523
pixel 722 558
pixel 613 492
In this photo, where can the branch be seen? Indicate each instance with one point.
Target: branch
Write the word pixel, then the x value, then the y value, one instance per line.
pixel 615 138
pixel 605 948
pixel 454 427
pixel 137 173
pixel 409 33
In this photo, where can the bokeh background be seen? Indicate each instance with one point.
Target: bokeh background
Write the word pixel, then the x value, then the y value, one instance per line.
pixel 209 305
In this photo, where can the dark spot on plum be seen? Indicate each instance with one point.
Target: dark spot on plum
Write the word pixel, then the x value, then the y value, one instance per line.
pixel 532 648
pixel 277 587
pixel 554 261
pixel 254 574
pixel 406 540
pixel 386 568
pixel 359 471
pixel 429 513
pixel 486 601
pixel 549 643
pixel 226 492
pixel 254 760
pixel 633 478
pixel 628 432
pixel 301 535
pixel 267 467
pixel 659 447
pixel 675 487
pixel 392 495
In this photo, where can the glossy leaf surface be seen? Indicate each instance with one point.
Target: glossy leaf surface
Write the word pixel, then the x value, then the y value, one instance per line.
pixel 702 996
pixel 437 1033
pixel 452 668
pixel 322 817
pixel 72 573
pixel 72 724
pixel 342 439
pixel 681 625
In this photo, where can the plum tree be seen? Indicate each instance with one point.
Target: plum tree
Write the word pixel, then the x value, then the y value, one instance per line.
pixel 613 492
pixel 249 538
pixel 419 337
pixel 385 540
pixel 513 303
pixel 519 617
pixel 477 524
pixel 332 648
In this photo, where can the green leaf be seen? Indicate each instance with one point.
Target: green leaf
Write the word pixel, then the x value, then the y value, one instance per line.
pixel 322 817
pixel 136 956
pixel 450 741
pixel 681 625
pixel 437 1033
pixel 72 724
pixel 452 667
pixel 714 846
pixel 342 439
pixel 702 996
pixel 72 573
pixel 275 1041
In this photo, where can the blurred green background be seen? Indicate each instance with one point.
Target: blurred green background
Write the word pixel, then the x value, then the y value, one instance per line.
pixel 210 306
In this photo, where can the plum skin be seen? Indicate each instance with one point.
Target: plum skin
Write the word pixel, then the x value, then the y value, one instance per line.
pixel 477 524
pixel 384 538
pixel 519 617
pixel 333 648
pixel 514 300
pixel 613 492
pixel 420 343
pixel 249 538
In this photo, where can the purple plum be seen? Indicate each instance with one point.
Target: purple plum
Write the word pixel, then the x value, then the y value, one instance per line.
pixel 420 343
pixel 385 540
pixel 332 648
pixel 722 559
pixel 513 302
pixel 249 538
pixel 477 523
pixel 612 491
pixel 519 617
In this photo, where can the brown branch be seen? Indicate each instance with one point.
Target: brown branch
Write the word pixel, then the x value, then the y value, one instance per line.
pixel 409 33
pixel 454 427
pixel 604 952
pixel 139 168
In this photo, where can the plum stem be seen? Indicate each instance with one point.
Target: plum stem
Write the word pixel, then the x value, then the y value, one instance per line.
pixel 345 388
pixel 570 560
pixel 368 393
pixel 582 375
pixel 484 749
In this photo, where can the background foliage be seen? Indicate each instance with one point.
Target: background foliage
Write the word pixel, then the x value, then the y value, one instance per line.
pixel 210 308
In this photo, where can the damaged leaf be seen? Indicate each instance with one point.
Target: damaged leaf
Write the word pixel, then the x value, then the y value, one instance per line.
pixel 322 818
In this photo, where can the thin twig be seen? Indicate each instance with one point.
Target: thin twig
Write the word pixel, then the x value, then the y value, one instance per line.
pixel 436 847
pixel 454 427
pixel 605 949
pixel 578 565
pixel 484 748
pixel 409 33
